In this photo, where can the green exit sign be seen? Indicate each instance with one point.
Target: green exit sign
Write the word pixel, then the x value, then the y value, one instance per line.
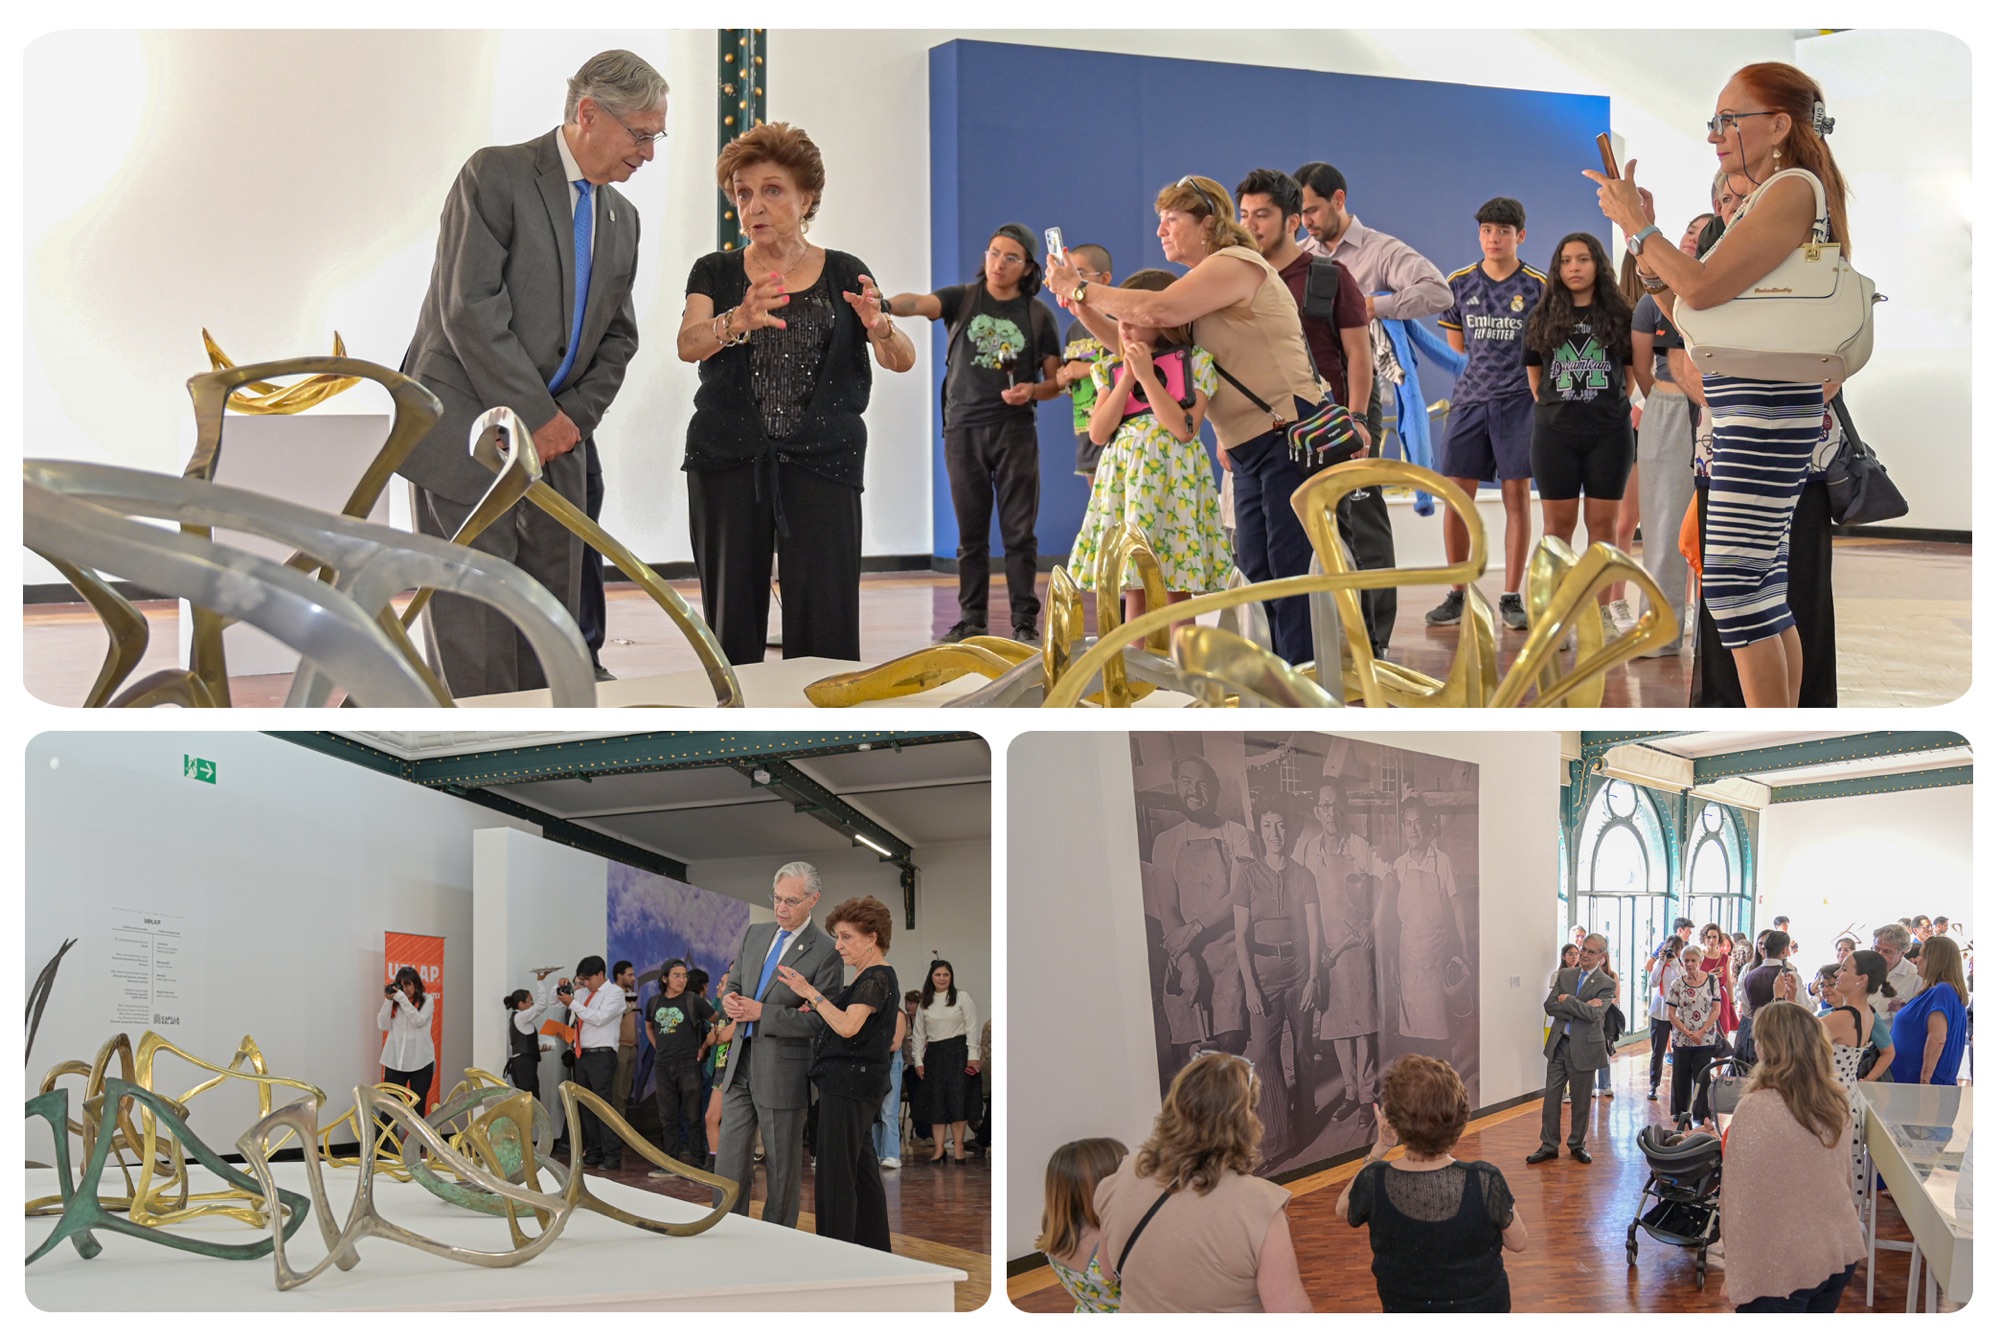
pixel 201 770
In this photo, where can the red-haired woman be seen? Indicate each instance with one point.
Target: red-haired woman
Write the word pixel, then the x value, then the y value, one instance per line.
pixel 1770 126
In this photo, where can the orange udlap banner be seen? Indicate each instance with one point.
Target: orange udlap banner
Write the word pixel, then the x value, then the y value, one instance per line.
pixel 425 954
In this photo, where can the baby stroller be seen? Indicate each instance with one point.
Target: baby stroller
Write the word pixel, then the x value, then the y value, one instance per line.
pixel 1684 1187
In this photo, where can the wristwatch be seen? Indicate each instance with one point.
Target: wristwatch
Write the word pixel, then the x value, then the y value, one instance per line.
pixel 1637 242
pixel 1076 294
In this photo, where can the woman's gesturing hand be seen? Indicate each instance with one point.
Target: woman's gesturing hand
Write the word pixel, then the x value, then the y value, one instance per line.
pixel 868 306
pixel 1623 200
pixel 760 305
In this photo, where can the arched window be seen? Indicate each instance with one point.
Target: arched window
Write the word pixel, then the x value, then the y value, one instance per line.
pixel 1716 885
pixel 1622 884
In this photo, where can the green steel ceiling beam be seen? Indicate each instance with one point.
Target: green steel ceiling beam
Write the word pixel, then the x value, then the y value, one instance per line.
pixel 1600 741
pixel 574 835
pixel 1957 776
pixel 655 752
pixel 1816 753
pixel 353 751
pixel 809 798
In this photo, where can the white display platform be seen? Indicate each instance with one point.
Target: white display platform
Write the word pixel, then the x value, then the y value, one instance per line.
pixel 312 459
pixel 770 684
pixel 597 1264
pixel 1919 1138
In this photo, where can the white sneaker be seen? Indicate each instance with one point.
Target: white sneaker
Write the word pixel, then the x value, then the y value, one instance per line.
pixel 660 1173
pixel 1621 614
pixel 892 1163
pixel 1609 621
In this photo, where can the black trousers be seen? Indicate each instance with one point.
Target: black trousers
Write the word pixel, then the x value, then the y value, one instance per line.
pixel 590 602
pixel 848 1201
pixel 596 1069
pixel 418 1081
pixel 1561 1078
pixel 737 519
pixel 1270 541
pixel 1689 1063
pixel 1821 1298
pixel 1663 1033
pixel 677 1090
pixel 993 465
pixel 1809 591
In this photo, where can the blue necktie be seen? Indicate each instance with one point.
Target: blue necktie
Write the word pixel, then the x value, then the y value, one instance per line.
pixel 764 979
pixel 580 232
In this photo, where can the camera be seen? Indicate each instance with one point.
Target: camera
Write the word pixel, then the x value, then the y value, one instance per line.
pixel 389 989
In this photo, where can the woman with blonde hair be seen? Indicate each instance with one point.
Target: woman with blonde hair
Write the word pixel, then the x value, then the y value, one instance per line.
pixel 1186 1226
pixel 1244 316
pixel 1788 1146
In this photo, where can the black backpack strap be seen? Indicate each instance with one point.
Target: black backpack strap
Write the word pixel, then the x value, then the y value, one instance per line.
pixel 1254 398
pixel 1140 1228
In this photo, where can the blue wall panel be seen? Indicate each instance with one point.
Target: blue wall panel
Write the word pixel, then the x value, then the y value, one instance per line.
pixel 1084 140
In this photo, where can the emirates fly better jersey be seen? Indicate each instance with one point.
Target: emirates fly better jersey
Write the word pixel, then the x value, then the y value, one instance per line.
pixel 1492 313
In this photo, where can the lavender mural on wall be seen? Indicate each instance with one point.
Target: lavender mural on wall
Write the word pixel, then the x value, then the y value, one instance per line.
pixel 653 918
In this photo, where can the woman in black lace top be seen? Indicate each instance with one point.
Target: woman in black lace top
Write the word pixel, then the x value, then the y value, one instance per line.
pixel 851 1068
pixel 783 331
pixel 1437 1224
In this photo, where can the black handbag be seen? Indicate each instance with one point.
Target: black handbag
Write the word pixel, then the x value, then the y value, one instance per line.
pixel 1858 487
pixel 1323 438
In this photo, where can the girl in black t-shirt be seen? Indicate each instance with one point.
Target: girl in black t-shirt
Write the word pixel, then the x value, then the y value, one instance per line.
pixel 1578 350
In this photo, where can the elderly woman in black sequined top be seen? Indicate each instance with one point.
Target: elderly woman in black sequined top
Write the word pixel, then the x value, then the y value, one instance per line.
pixel 783 331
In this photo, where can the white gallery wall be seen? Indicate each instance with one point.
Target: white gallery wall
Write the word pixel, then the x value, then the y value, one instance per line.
pixel 270 186
pixel 1077 943
pixel 535 904
pixel 954 905
pixel 284 874
pixel 1863 861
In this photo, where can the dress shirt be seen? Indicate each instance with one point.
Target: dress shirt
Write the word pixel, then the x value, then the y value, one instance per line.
pixel 939 1021
pixel 408 1046
pixel 525 1018
pixel 597 1014
pixel 1381 265
pixel 1907 982
pixel 572 174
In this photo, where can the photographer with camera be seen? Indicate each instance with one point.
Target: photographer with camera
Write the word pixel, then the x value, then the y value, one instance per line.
pixel 408 1056
pixel 596 1009
pixel 524 1040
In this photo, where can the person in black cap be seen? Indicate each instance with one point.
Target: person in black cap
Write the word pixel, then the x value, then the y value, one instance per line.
pixel 1003 356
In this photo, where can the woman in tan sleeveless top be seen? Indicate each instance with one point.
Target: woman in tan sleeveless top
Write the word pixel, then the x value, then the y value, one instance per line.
pixel 1245 317
pixel 1186 1228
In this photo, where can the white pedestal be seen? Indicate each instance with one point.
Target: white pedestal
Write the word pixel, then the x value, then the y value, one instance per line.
pixel 311 459
pixel 597 1264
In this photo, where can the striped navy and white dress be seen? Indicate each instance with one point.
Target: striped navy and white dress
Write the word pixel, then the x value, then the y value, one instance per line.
pixel 1764 436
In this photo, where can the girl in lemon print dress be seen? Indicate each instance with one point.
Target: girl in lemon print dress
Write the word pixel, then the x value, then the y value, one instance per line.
pixel 1155 473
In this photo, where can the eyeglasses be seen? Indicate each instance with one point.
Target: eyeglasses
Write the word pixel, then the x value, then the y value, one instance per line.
pixel 639 138
pixel 1206 198
pixel 1724 121
pixel 787 901
pixel 1005 257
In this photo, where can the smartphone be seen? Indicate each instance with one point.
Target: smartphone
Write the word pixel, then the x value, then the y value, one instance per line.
pixel 1053 237
pixel 1610 158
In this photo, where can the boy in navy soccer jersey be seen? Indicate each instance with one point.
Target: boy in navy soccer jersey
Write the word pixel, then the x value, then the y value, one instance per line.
pixel 1492 405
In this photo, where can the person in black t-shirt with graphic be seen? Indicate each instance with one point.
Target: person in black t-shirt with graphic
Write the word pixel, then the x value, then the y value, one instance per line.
pixel 1002 358
pixel 1578 350
pixel 678 1025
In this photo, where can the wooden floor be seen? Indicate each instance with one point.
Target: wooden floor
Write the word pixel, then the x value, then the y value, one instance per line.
pixel 1904 610
pixel 938 1213
pixel 1576 1218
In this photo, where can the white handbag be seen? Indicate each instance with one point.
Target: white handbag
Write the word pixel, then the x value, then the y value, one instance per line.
pixel 1810 320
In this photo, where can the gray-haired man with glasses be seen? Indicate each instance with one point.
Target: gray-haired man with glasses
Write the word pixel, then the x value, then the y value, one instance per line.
pixel 764 1084
pixel 526 229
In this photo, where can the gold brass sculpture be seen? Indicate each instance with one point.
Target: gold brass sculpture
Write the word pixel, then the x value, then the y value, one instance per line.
pixel 490 1164
pixel 1234 667
pixel 1562 594
pixel 269 398
pixel 502 443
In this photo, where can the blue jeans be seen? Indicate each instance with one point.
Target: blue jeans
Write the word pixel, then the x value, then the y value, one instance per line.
pixel 1604 1077
pixel 1270 540
pixel 889 1122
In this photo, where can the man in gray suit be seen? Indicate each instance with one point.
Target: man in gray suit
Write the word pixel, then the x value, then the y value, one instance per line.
pixel 764 1082
pixel 1575 1046
pixel 501 325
